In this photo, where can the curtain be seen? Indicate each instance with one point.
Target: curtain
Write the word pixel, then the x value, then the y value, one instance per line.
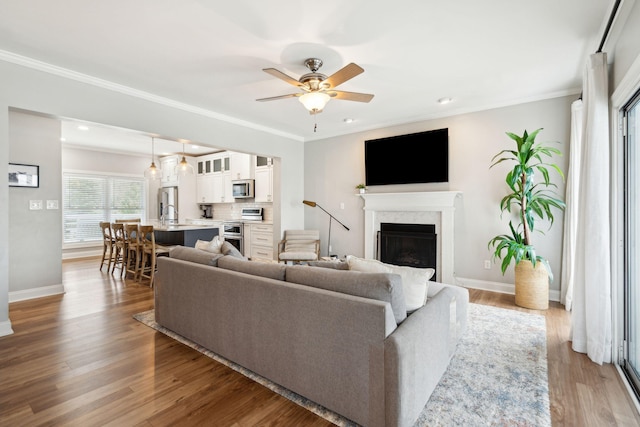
pixel 591 296
pixel 572 202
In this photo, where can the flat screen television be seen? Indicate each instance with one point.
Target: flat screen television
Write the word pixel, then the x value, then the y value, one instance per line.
pixel 415 158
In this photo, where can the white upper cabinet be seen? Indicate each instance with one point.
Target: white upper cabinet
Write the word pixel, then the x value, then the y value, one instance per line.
pixel 168 165
pixel 264 179
pixel 241 166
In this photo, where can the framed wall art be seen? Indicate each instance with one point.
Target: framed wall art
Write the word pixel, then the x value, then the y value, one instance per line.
pixel 24 175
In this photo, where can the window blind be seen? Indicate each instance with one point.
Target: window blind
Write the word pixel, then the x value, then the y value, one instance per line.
pixel 89 199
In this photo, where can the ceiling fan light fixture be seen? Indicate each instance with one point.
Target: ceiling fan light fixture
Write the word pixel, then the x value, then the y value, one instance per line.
pixel 314 101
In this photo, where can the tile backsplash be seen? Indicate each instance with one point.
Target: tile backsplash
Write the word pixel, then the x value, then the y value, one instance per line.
pixel 230 211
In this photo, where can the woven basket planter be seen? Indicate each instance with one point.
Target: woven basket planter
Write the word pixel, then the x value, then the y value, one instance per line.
pixel 532 286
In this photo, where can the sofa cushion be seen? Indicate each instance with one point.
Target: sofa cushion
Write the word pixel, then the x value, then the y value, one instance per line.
pixel 262 269
pixel 214 245
pixel 415 281
pixel 194 255
pixel 336 265
pixel 228 249
pixel 379 286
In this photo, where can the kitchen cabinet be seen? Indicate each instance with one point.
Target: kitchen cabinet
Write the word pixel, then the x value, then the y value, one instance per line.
pixel 264 179
pixel 222 190
pixel 204 189
pixel 261 237
pixel 240 166
pixel 214 178
pixel 204 165
pixel 221 162
pixel 168 164
pixel 246 239
pixel 184 235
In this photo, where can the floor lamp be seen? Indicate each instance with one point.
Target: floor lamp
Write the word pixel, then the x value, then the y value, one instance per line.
pixel 313 205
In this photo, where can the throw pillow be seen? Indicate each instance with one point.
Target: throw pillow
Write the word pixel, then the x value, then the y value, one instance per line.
pixel 415 281
pixel 228 249
pixel 194 255
pixel 262 269
pixel 214 246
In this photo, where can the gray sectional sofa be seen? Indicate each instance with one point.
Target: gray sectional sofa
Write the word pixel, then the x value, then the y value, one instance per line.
pixel 340 338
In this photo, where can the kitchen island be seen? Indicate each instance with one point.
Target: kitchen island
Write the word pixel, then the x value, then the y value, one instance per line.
pixel 183 234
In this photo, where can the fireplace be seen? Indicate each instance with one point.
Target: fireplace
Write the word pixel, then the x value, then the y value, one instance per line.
pixel 412 245
pixel 425 208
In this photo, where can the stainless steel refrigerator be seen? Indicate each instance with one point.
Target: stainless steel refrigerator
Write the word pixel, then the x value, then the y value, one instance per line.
pixel 168 204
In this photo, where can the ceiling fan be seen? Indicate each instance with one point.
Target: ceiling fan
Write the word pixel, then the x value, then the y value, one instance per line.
pixel 317 88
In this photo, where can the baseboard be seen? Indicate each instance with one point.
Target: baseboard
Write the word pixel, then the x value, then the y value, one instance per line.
pixel 88 253
pixel 503 288
pixel 44 291
pixel 5 328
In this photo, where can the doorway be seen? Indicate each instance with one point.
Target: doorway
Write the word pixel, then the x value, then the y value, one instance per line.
pixel 631 344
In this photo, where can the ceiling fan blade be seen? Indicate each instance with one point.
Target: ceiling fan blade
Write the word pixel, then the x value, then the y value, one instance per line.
pixel 273 98
pixel 347 72
pixel 282 76
pixel 350 96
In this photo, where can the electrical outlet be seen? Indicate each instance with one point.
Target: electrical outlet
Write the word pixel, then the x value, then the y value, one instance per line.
pixel 52 204
pixel 487 264
pixel 35 205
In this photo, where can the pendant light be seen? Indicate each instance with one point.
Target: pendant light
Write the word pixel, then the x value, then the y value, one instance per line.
pixel 184 168
pixel 153 172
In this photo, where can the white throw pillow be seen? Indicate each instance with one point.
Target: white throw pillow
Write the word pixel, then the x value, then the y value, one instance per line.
pixel 415 281
pixel 415 284
pixel 367 265
pixel 214 246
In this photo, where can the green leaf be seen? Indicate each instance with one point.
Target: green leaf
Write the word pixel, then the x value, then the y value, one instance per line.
pixel 529 157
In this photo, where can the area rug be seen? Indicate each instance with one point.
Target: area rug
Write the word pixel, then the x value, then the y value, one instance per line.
pixel 497 377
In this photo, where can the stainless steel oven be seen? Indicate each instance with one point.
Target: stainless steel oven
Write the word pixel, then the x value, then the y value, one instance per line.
pixel 234 234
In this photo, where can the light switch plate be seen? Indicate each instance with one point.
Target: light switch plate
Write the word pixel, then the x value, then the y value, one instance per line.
pixel 35 205
pixel 52 204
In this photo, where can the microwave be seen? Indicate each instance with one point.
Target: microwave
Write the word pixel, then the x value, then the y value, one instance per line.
pixel 243 188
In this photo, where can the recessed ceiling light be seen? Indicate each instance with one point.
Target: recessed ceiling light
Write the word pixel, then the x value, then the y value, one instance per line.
pixel 348 120
pixel 83 127
pixel 444 100
pixel 63 139
pixel 195 147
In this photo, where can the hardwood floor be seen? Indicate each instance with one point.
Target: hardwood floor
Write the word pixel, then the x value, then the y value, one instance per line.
pixel 81 359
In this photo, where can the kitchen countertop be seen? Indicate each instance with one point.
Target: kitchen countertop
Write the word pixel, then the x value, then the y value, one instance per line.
pixel 181 227
pixel 157 225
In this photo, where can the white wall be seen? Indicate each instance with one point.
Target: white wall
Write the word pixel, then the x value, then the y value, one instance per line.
pixel 35 236
pixel 334 166
pixel 28 89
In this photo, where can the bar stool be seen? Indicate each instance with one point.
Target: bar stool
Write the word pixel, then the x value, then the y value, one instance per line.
pixel 119 248
pixel 150 252
pixel 134 249
pixel 107 245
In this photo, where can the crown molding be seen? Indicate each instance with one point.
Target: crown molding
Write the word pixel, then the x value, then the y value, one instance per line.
pixel 126 90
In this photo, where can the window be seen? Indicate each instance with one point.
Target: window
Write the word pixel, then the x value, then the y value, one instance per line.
pixel 89 199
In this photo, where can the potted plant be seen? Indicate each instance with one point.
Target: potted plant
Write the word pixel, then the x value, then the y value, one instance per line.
pixel 529 200
pixel 361 188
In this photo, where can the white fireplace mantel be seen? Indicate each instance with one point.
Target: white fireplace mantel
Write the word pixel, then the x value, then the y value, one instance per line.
pixel 439 202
